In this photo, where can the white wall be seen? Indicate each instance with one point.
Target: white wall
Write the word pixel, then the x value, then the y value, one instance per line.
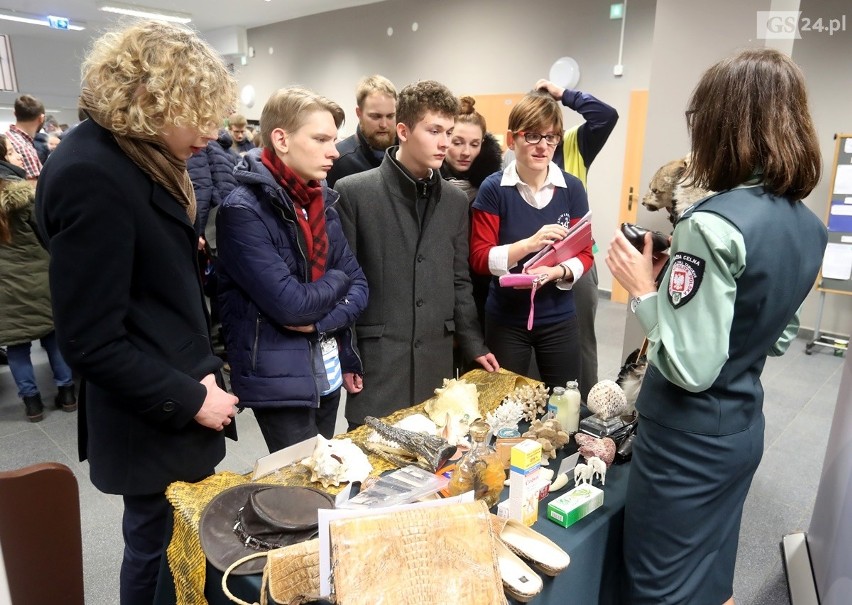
pixel 474 47
pixel 48 69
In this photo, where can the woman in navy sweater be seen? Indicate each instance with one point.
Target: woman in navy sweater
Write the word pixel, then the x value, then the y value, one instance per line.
pixel 517 212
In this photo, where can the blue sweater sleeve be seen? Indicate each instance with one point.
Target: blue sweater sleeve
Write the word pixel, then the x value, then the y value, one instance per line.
pixel 600 120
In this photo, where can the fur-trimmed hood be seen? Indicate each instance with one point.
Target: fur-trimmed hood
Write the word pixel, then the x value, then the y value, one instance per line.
pixel 16 195
pixel 489 161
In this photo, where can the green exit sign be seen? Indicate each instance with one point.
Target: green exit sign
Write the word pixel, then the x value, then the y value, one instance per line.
pixel 616 11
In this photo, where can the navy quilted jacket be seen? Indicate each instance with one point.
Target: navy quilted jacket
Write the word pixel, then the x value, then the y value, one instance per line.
pixel 264 285
pixel 212 173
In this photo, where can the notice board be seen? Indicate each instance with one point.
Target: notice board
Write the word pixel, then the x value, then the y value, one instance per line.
pixel 836 273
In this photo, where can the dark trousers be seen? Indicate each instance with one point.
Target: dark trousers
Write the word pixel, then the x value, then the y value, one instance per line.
pixel 283 427
pixel 586 301
pixel 144 527
pixel 556 348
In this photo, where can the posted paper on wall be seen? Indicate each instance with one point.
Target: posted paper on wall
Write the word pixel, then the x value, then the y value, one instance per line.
pixel 837 262
pixel 843 180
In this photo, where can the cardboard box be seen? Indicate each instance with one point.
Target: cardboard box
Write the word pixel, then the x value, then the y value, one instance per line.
pixel 572 506
pixel 525 455
pixel 524 482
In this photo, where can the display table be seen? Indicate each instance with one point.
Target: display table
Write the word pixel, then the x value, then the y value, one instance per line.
pixel 594 543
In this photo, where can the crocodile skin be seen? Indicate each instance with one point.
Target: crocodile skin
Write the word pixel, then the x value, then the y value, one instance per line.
pixel 422 556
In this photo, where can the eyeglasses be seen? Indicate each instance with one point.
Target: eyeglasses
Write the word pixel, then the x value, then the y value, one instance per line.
pixel 534 138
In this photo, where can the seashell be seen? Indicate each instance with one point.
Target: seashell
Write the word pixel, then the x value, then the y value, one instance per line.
pixel 592 446
pixel 457 398
pixel 607 400
pixel 337 461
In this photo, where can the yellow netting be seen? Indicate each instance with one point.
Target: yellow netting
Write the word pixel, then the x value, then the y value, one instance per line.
pixel 185 557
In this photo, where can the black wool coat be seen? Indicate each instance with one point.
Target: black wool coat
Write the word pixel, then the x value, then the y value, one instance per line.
pixel 129 315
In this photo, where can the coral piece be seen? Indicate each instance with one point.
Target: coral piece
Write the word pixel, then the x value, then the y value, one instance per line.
pixel 606 400
pixel 550 435
pixel 337 461
pixel 507 416
pixel 533 400
pixel 592 446
pixel 457 402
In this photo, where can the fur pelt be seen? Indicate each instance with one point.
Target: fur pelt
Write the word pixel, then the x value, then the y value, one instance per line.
pixel 15 195
pixel 630 377
pixel 668 190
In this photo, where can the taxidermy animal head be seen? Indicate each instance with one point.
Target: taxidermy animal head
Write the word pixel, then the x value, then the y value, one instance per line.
pixel 630 377
pixel 667 190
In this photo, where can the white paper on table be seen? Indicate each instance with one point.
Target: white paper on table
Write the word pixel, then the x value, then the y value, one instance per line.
pixel 843 180
pixel 837 262
pixel 327 515
pixel 277 460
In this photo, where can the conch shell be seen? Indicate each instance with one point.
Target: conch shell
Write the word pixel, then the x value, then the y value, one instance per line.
pixel 337 461
pixel 457 402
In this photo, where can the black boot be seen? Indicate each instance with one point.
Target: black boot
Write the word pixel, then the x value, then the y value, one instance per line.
pixel 66 399
pixel 35 408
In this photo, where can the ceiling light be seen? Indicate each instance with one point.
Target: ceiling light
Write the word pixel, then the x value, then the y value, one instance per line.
pixel 144 12
pixel 33 19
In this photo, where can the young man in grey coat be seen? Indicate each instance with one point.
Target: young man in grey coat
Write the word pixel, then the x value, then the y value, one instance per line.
pixel 409 231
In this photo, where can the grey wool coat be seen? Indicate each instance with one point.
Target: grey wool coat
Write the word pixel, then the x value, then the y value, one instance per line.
pixel 420 290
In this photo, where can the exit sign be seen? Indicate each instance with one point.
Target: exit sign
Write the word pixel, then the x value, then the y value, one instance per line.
pixel 57 22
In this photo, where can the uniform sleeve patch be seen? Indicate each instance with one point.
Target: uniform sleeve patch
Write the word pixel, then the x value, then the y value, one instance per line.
pixel 687 273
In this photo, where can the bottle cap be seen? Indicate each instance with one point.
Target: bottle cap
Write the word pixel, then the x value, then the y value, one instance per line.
pixel 558 391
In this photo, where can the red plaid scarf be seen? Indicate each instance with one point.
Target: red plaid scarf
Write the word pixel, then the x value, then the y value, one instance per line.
pixel 310 210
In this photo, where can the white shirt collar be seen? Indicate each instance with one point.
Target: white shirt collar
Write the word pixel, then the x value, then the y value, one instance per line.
pixel 554 178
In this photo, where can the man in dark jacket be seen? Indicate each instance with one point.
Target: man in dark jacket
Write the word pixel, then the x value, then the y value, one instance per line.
pixel 290 287
pixel 408 229
pixel 116 210
pixel 376 111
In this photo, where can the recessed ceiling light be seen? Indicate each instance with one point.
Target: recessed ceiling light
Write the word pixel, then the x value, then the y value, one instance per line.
pixel 144 12
pixel 34 19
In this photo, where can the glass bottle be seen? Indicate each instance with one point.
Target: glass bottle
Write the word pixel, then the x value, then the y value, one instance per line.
pixel 564 405
pixel 571 421
pixel 480 470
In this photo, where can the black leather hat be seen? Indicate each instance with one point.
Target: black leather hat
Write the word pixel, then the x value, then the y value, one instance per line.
pixel 256 517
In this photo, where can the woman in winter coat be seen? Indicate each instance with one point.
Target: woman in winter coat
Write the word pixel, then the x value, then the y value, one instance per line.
pixel 25 313
pixel 473 155
pixel 290 288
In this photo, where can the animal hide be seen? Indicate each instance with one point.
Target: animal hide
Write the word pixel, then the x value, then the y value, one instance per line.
pixel 668 191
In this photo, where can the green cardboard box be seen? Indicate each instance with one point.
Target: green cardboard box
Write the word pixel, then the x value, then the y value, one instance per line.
pixel 572 506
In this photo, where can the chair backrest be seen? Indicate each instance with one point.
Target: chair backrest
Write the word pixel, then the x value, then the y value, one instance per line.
pixel 40 535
